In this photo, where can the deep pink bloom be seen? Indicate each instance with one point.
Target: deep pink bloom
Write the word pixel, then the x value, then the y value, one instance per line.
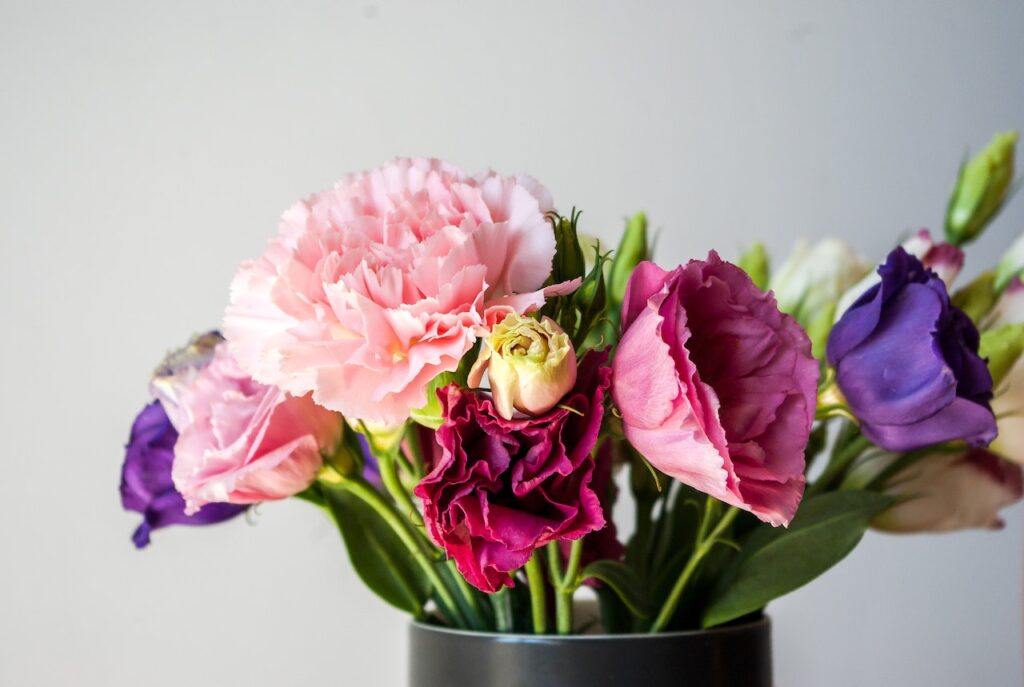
pixel 378 285
pixel 243 442
pixel 502 488
pixel 716 387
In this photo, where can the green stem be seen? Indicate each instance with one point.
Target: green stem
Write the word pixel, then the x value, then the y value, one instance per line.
pixel 703 546
pixel 572 570
pixel 538 607
pixel 396 489
pixel 501 601
pixel 565 584
pixel 470 606
pixel 412 438
pixel 563 612
pixel 838 465
pixel 389 476
pixel 371 497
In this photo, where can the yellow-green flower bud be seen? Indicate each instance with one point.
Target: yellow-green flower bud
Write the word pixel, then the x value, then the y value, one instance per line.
pixel 981 189
pixel 530 363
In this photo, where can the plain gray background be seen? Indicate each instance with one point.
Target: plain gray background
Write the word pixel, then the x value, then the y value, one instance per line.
pixel 146 148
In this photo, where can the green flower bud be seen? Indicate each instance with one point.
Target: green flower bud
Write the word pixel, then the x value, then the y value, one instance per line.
pixel 977 298
pixel 819 328
pixel 347 458
pixel 755 263
pixel 981 189
pixel 569 261
pixel 1002 347
pixel 1011 265
pixel 632 250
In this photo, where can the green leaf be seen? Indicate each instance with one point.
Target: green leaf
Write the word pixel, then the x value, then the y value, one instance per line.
pixel 623 581
pixel 775 561
pixel 430 414
pixel 378 555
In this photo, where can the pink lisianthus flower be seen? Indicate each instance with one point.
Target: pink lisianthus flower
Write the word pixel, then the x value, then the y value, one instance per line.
pixel 243 442
pixel 716 387
pixel 378 285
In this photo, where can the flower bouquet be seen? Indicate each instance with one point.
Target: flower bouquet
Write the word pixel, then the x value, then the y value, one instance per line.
pixel 465 383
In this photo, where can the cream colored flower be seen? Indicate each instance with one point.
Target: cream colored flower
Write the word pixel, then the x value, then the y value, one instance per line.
pixel 530 363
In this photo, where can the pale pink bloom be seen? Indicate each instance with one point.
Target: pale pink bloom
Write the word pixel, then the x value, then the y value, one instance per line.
pixel 378 285
pixel 244 442
pixel 952 491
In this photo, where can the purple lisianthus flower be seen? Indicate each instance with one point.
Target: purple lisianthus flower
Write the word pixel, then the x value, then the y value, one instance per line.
pixel 499 489
pixel 907 362
pixel 146 485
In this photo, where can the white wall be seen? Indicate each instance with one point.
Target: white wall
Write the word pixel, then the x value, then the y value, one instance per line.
pixel 146 148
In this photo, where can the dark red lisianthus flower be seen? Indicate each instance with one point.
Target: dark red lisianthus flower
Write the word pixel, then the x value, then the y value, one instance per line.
pixel 502 488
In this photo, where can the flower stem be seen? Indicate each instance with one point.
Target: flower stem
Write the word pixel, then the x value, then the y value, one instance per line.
pixel 416 456
pixel 704 544
pixel 389 476
pixel 408 536
pixel 538 606
pixel 394 486
pixel 564 583
pixel 502 604
pixel 470 606
pixel 838 465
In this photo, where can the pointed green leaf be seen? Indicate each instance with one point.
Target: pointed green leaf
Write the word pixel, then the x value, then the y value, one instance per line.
pixel 377 554
pixel 775 561
pixel 623 581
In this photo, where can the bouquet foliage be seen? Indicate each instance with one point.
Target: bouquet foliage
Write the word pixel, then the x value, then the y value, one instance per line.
pixel 466 384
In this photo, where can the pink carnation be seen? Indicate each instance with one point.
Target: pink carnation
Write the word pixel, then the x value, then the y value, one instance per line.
pixel 716 387
pixel 378 285
pixel 243 442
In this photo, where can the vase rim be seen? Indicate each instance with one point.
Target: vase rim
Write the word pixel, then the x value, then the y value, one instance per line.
pixel 760 623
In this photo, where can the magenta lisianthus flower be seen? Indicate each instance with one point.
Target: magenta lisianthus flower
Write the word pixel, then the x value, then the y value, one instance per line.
pixel 245 442
pixel 378 285
pixel 716 387
pixel 502 488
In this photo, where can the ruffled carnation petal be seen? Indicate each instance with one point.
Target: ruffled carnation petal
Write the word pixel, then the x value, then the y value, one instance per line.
pixel 376 286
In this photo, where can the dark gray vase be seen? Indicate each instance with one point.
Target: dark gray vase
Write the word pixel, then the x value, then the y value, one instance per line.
pixel 734 656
